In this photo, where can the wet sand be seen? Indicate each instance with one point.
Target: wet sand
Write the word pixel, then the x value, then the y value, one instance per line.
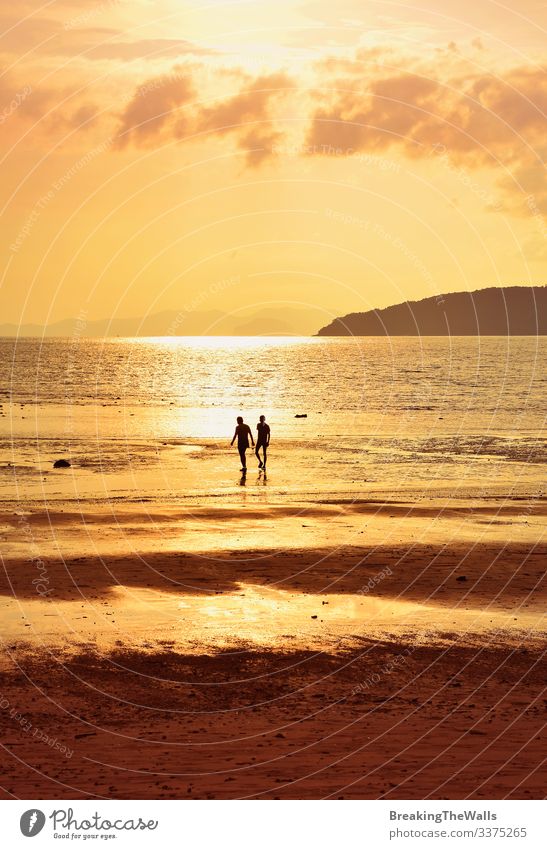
pixel 391 669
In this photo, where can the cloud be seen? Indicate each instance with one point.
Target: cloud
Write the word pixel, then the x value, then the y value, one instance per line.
pixel 45 36
pixel 480 115
pixel 259 145
pixel 42 113
pixel 40 36
pixel 525 191
pixel 476 120
pixel 153 106
pixel 389 112
pixel 153 115
pixel 248 115
pixel 250 104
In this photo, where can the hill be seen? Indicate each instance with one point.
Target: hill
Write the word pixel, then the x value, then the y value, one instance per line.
pixel 497 311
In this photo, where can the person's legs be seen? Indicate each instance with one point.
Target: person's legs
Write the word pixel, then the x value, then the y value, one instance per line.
pixel 257 450
pixel 264 447
pixel 242 451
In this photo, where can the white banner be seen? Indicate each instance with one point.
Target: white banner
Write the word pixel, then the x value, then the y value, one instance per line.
pixel 265 825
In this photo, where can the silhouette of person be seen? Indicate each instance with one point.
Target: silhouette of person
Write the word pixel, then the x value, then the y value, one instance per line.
pixel 242 432
pixel 262 441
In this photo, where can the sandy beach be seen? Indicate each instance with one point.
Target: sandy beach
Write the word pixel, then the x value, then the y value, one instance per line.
pixel 385 670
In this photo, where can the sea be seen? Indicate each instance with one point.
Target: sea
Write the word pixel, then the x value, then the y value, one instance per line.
pixel 152 418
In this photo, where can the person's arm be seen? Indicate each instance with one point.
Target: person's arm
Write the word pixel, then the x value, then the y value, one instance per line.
pixel 268 436
pixel 251 435
pixel 234 436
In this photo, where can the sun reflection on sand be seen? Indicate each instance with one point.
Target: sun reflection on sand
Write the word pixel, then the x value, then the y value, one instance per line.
pixel 253 616
pixel 264 616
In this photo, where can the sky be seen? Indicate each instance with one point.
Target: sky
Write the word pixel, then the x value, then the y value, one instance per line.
pixel 171 155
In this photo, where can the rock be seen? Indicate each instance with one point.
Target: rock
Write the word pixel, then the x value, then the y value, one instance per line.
pixel 61 464
pixel 461 578
pixel 314 617
pixel 301 416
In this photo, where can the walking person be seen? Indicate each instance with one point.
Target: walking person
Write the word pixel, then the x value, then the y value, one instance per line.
pixel 242 433
pixel 262 441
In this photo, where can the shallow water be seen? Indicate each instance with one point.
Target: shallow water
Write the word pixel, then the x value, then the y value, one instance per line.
pixel 279 374
pixel 254 616
pixel 152 418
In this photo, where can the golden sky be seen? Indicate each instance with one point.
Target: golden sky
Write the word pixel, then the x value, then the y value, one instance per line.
pixel 164 154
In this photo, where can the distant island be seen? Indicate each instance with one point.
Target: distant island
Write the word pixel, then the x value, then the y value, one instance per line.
pixel 496 311
pixel 266 321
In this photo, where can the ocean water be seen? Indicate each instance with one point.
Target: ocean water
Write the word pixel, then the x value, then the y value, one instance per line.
pixel 152 418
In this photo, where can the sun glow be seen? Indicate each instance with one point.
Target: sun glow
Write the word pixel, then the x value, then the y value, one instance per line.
pixel 230 343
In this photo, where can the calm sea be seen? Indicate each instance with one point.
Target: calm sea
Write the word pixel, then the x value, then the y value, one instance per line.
pixel 154 416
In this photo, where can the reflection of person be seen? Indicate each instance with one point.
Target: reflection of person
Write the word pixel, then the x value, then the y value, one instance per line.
pixel 262 441
pixel 243 432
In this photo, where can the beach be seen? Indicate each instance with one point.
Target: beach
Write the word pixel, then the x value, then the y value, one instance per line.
pixel 265 681
pixel 366 620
